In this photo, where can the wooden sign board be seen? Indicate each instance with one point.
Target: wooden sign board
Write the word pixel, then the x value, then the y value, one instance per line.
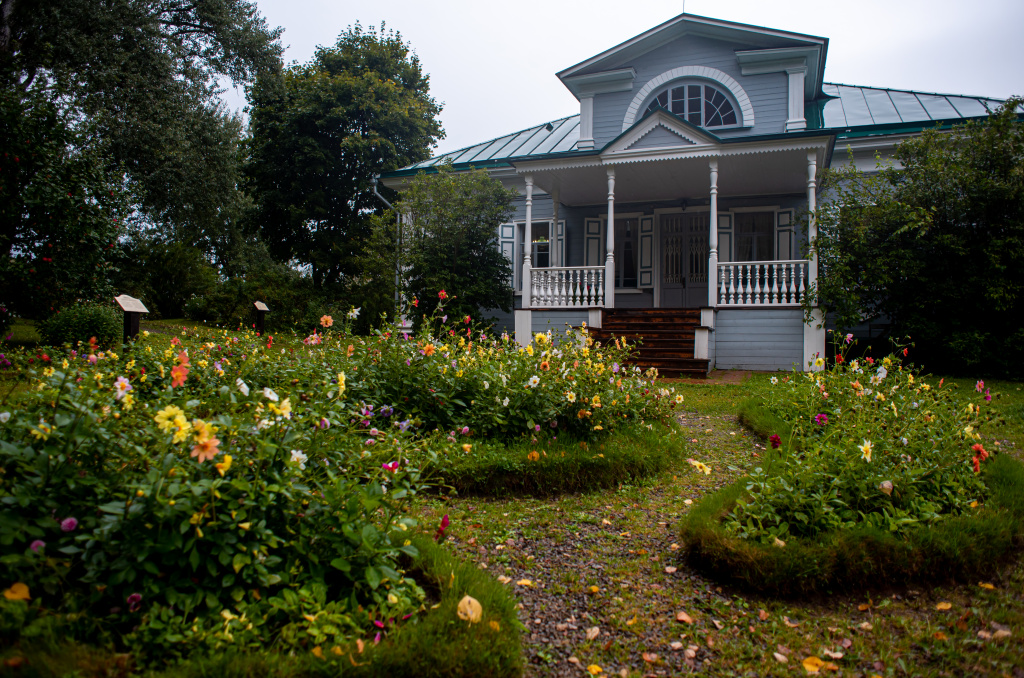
pixel 130 304
pixel 260 306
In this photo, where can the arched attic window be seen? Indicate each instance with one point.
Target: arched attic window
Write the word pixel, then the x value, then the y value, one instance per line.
pixel 697 103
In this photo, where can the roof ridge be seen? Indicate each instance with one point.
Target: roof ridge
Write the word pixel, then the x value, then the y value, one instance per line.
pixel 913 91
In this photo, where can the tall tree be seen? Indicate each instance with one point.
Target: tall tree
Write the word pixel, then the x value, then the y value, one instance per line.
pixel 321 131
pixel 936 245
pixel 451 242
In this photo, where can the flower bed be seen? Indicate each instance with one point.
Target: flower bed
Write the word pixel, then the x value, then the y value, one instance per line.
pixel 208 491
pixel 877 476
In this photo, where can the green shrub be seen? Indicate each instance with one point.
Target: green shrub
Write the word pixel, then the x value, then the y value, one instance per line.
pixel 82 322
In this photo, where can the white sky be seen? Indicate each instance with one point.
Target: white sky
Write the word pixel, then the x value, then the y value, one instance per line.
pixel 492 64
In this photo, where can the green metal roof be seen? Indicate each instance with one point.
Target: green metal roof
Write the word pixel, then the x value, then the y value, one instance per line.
pixel 849 111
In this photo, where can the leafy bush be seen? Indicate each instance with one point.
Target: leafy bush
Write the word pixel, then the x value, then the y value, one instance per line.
pixel 890 453
pixel 81 323
pixel 6 320
pixel 210 490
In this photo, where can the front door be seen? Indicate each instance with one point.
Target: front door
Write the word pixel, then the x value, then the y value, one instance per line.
pixel 684 260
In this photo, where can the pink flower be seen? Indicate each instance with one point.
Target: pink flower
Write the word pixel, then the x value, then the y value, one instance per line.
pixel 465 430
pixel 324 423
pixel 441 529
pixel 980 386
pixel 776 441
pixel 134 602
pixel 36 545
pixel 988 396
pixel 392 466
pixel 849 338
pixel 68 524
pixel 821 419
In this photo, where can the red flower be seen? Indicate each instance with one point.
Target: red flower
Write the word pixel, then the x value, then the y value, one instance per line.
pixel 871 361
pixel 839 358
pixel 442 295
pixel 976 464
pixel 905 351
pixel 467 319
pixel 982 452
pixel 439 535
pixel 776 441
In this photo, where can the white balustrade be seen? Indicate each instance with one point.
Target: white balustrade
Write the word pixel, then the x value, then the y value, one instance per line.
pixel 762 283
pixel 568 287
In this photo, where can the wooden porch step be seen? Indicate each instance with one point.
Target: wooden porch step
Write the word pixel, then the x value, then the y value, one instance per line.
pixel 666 338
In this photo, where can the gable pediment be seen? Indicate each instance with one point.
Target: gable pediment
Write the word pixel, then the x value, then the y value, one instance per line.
pixel 660 130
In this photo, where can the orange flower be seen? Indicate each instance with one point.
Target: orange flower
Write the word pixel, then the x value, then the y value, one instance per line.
pixel 428 350
pixel 544 365
pixel 178 375
pixel 183 358
pixel 982 452
pixel 533 456
pixel 206 449
pixel 351 350
pixel 326 321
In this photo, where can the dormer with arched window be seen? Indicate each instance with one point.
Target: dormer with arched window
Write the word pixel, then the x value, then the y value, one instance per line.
pixel 698 103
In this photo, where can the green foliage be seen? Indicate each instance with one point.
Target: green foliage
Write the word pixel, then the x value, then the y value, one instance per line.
pixel 452 242
pixel 82 322
pixel 60 209
pixel 936 246
pixel 891 453
pixel 321 132
pixel 166 276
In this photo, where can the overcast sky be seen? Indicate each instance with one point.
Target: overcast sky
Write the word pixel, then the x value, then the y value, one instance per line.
pixel 492 64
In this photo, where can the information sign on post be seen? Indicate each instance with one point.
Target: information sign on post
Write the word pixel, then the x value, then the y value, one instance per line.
pixel 133 310
pixel 261 315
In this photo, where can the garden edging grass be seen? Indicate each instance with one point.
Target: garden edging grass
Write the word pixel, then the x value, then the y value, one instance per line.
pixel 959 548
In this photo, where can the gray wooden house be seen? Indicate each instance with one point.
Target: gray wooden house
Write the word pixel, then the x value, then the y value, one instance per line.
pixel 678 203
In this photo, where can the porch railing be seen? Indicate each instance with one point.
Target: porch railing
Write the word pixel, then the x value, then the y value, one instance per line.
pixel 567 287
pixel 762 283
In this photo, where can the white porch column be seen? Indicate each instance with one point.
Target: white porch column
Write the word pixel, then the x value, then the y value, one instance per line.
pixel 713 238
pixel 609 261
pixel 814 331
pixel 528 246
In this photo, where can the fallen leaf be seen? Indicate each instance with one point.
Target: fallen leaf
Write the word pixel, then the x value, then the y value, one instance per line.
pixel 573 660
pixel 812 664
pixel 943 606
pixel 846 643
pixel 1001 633
pixel 524 582
pixel 690 653
pixel 14 662
pixel 790 624
pixel 984 635
pixel 687 501
pixel 608 645
pixel 939 635
pixel 605 521
pixel 778 542
pixel 595 589
pixel 833 655
pixel 503 579
pixel 594 669
pixel 710 640
pixel 670 570
pixel 829 666
pixel 650 657
pixel 718 625
pixel 864 607
pixel 866 626
pixel 593 632
pixel 683 617
pixel 631 621
pixel 986 585
pixel 674 547
pixel 676 645
pixel 494 625
pixel 762 615
pixel 318 652
pixel 18 591
pixel 779 657
pixel 336 650
pixel 470 609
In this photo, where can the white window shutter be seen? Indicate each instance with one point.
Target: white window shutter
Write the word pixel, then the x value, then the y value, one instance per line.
pixel 592 242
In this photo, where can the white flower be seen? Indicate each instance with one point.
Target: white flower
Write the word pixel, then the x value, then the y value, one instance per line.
pixel 4 416
pixel 269 394
pixel 534 380
pixel 354 313
pixel 242 386
pixel 904 441
pixel 504 403
pixel 299 458
pixel 775 380
pixel 486 385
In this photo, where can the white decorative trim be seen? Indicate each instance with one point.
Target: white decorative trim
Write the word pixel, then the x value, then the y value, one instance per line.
pixel 724 79
pixel 676 133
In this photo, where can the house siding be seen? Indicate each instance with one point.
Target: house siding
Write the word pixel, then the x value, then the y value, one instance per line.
pixel 756 339
pixel 768 92
pixel 542 321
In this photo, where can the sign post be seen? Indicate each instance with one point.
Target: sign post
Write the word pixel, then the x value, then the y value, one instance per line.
pixel 133 310
pixel 261 316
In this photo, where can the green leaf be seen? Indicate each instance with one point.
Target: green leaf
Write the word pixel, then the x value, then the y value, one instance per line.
pixel 373 577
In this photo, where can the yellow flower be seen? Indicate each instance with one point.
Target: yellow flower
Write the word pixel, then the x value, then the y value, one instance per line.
pixel 183 428
pixel 341 383
pixel 64 363
pixel 879 397
pixel 529 349
pixel 533 456
pixel 43 432
pixel 127 402
pixel 541 339
pixel 467 447
pixel 48 372
pixel 223 466
pixel 819 362
pixel 570 396
pixel 165 417
pixel 203 430
pixel 865 450
pixel 18 591
pixel 910 378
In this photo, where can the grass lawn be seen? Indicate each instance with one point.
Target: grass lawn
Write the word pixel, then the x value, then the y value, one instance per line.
pixel 600 582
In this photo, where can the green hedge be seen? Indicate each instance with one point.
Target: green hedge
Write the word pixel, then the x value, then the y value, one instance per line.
pixel 82 322
pixel 438 644
pixel 958 548
pixel 494 469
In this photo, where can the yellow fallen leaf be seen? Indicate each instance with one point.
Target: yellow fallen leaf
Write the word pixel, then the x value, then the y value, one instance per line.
pixel 863 607
pixel 986 585
pixel 524 582
pixel 943 606
pixel 495 626
pixel 939 635
pixel 318 652
pixel 829 666
pixel 594 669
pixel 470 609
pixel 595 589
pixel 812 664
pixel 605 521
pixel 631 621
pixel 18 591
pixel 503 579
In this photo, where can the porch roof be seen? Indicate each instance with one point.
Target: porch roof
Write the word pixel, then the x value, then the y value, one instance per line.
pixel 849 111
